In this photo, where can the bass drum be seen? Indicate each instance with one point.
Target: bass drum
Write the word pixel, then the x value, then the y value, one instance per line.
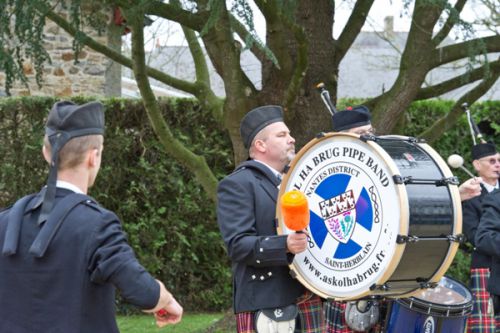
pixel 385 216
pixel 443 309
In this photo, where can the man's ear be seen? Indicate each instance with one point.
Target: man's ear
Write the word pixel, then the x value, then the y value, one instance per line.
pixel 46 154
pixel 260 145
pixel 92 157
pixel 476 165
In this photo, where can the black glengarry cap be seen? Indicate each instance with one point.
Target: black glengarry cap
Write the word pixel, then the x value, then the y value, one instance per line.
pixel 257 119
pixel 350 118
pixel 482 150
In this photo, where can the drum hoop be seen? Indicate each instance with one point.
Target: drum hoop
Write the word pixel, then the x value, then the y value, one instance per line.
pixel 403 206
pixel 432 308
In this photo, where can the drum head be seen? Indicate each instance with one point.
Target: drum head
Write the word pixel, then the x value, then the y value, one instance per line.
pixel 448 298
pixel 356 213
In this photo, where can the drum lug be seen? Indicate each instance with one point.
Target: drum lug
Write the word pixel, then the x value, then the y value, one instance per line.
pixel 427 285
pixel 398 179
pixel 448 181
pixel 320 135
pixel 382 287
pixel 368 137
pixel 401 239
pixel 460 238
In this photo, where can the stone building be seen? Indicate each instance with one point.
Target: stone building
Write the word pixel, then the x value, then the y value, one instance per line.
pixel 92 73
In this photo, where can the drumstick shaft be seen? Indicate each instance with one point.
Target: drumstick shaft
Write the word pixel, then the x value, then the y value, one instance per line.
pixel 467 171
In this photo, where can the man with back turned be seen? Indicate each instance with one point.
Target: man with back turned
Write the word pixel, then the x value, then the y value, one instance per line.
pixel 62 254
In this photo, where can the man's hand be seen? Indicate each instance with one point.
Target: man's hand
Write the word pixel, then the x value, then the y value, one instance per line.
pixel 170 314
pixel 470 188
pixel 167 310
pixel 296 242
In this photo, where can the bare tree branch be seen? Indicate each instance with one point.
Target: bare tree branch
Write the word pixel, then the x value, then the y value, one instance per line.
pixel 174 13
pixel 204 91
pixel 243 33
pixel 453 18
pixel 459 81
pixel 450 53
pixel 195 163
pixel 445 123
pixel 300 65
pixel 276 31
pixel 352 27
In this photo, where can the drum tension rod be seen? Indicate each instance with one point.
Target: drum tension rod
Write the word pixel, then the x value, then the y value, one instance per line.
pixel 401 239
pixel 409 139
pixel 419 181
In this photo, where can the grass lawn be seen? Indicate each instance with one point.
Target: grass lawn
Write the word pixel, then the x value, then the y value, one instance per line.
pixel 191 323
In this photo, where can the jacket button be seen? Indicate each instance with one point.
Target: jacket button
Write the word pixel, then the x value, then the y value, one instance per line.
pixel 261 250
pixel 257 261
pixel 262 277
pixel 269 273
pixel 253 277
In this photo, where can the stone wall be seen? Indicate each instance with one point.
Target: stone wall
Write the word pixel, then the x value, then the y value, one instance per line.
pixel 65 77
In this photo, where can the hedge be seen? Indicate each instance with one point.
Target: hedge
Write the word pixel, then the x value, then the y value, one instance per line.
pixel 169 220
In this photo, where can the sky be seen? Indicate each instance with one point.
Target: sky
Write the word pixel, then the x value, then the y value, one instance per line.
pixel 166 33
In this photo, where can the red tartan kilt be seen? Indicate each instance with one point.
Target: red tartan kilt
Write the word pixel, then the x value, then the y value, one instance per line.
pixel 482 319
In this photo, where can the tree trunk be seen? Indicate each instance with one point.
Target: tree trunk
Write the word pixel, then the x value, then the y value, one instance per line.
pixel 307 116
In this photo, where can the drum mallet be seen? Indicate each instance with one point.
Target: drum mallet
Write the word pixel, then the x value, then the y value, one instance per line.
pixel 295 210
pixel 456 161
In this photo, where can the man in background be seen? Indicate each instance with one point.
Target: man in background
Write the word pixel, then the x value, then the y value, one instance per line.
pixel 355 120
pixel 486 162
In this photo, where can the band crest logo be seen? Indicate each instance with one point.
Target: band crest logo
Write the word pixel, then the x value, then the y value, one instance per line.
pixel 339 215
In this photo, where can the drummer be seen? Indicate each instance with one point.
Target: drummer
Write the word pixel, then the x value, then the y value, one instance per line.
pixel 486 162
pixel 245 214
pixel 356 120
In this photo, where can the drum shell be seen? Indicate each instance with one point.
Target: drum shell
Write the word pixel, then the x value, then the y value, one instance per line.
pixel 433 214
pixel 404 320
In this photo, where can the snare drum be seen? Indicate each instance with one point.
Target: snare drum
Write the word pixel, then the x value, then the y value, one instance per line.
pixel 443 309
pixel 385 215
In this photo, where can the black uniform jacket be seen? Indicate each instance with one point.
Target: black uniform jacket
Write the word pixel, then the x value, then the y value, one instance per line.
pixel 472 210
pixel 246 215
pixel 71 288
pixel 488 237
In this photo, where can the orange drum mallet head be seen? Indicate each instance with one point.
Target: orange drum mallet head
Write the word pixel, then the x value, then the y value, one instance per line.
pixel 295 210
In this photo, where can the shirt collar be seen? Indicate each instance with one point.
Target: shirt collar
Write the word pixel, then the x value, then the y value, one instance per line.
pixel 489 187
pixel 68 186
pixel 274 171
